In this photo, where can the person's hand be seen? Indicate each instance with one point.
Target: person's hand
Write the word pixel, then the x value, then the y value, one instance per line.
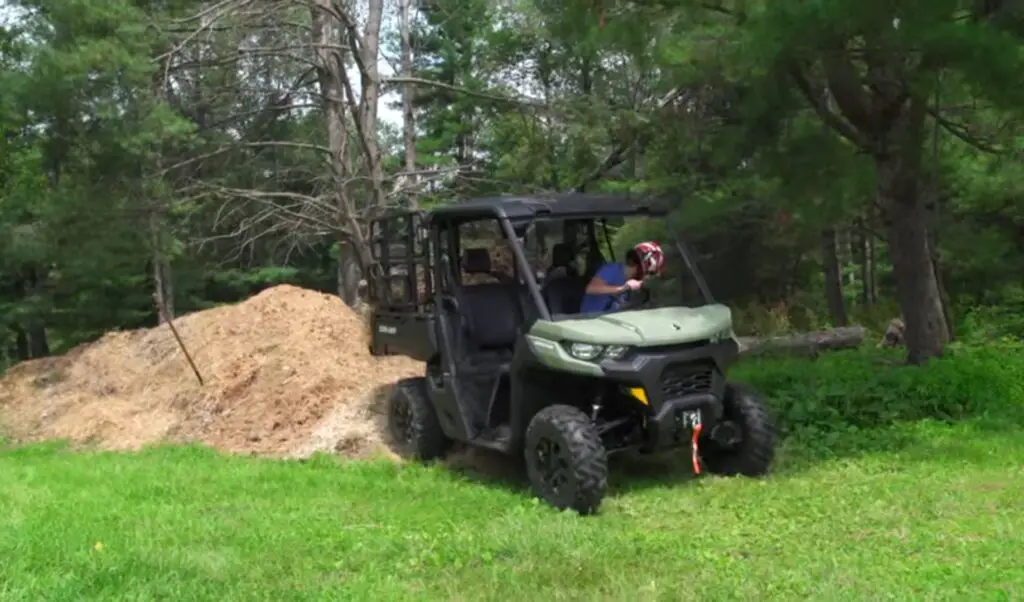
pixel 633 284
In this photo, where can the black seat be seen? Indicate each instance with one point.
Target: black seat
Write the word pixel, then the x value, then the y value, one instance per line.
pixel 563 291
pixel 564 295
pixel 561 262
pixel 490 310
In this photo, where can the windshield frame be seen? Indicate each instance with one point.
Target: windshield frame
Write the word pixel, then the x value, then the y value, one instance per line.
pixel 512 227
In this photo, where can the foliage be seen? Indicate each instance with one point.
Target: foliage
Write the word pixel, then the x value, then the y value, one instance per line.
pixel 141 145
pixel 844 394
pixel 1003 321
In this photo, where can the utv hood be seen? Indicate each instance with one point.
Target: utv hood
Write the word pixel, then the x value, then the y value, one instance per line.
pixel 642 328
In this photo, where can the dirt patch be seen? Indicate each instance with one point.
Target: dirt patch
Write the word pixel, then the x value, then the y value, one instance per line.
pixel 287 372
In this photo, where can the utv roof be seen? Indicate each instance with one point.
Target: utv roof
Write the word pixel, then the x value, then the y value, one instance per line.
pixel 559 206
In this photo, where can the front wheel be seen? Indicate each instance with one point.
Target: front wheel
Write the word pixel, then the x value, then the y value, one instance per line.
pixel 565 459
pixel 413 424
pixel 743 442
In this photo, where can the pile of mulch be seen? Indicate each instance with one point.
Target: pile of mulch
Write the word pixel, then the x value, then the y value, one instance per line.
pixel 287 373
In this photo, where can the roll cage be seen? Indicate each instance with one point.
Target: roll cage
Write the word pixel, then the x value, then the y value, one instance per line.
pixel 413 269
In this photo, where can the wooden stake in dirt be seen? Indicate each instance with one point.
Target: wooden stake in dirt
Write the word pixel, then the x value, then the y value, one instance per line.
pixel 163 315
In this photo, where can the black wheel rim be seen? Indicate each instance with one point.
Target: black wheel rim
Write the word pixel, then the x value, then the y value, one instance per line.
pixel 552 462
pixel 727 435
pixel 401 421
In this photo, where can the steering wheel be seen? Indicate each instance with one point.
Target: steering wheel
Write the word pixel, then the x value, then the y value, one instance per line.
pixel 638 299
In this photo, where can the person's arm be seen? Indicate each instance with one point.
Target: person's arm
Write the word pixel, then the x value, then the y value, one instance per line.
pixel 598 286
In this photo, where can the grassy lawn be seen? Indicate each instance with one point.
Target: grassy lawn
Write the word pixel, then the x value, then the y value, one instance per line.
pixel 938 516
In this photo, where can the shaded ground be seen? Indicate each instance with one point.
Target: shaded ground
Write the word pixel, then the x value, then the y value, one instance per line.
pixel 287 373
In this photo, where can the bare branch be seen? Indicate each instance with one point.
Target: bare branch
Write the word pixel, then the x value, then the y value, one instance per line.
pixel 831 119
pixel 217 11
pixel 427 83
pixel 236 146
pixel 621 150
pixel 216 7
pixel 962 132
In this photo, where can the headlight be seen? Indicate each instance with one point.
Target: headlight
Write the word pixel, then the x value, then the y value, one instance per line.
pixel 585 351
pixel 589 352
pixel 614 352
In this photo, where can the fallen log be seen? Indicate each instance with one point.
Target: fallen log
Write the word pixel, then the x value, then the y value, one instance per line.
pixel 804 343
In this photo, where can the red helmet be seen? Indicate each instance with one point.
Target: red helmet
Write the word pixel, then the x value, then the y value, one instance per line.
pixel 651 257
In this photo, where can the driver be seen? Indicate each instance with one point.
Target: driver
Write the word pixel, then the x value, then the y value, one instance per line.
pixel 607 288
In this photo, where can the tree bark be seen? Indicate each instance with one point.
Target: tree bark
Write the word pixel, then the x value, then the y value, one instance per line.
pixel 21 343
pixel 805 343
pixel 369 50
pixel 866 259
pixel 408 117
pixel 335 97
pixel 872 264
pixel 162 286
pixel 947 304
pixel 833 278
pixel 39 344
pixel 158 288
pixel 933 244
pixel 348 276
pixel 918 289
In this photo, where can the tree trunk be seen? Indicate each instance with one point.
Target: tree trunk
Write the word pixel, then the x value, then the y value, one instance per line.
pixel 872 264
pixel 21 342
pixel 866 259
pixel 369 97
pixel 168 289
pixel 918 289
pixel 38 343
pixel 348 276
pixel 933 245
pixel 805 343
pixel 162 288
pixel 408 117
pixel 947 304
pixel 35 324
pixel 334 97
pixel 833 278
pixel 947 311
pixel 158 289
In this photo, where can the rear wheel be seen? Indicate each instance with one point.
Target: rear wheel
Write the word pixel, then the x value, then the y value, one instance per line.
pixel 743 443
pixel 565 459
pixel 413 424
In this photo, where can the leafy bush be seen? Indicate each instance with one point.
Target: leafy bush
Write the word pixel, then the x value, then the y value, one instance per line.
pixel 1001 321
pixel 855 390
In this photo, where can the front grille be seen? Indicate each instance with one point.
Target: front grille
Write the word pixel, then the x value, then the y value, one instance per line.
pixel 686 379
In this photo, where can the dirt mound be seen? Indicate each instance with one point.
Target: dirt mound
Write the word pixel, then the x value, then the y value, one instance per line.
pixel 287 373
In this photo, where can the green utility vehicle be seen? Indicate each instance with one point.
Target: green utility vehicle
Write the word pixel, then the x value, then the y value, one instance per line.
pixel 512 366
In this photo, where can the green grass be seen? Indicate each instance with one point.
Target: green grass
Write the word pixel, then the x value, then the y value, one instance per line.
pixel 935 513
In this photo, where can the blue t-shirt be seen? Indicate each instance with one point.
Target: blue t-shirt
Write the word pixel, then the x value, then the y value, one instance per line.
pixel 615 275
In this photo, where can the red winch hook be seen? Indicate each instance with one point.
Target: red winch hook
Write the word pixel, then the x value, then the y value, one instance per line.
pixel 694 448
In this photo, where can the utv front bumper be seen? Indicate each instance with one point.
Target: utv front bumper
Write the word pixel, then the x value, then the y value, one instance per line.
pixel 677 382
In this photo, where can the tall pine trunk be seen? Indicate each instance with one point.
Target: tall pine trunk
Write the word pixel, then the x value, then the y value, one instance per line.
pixel 902 198
pixel 833 278
pixel 916 284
